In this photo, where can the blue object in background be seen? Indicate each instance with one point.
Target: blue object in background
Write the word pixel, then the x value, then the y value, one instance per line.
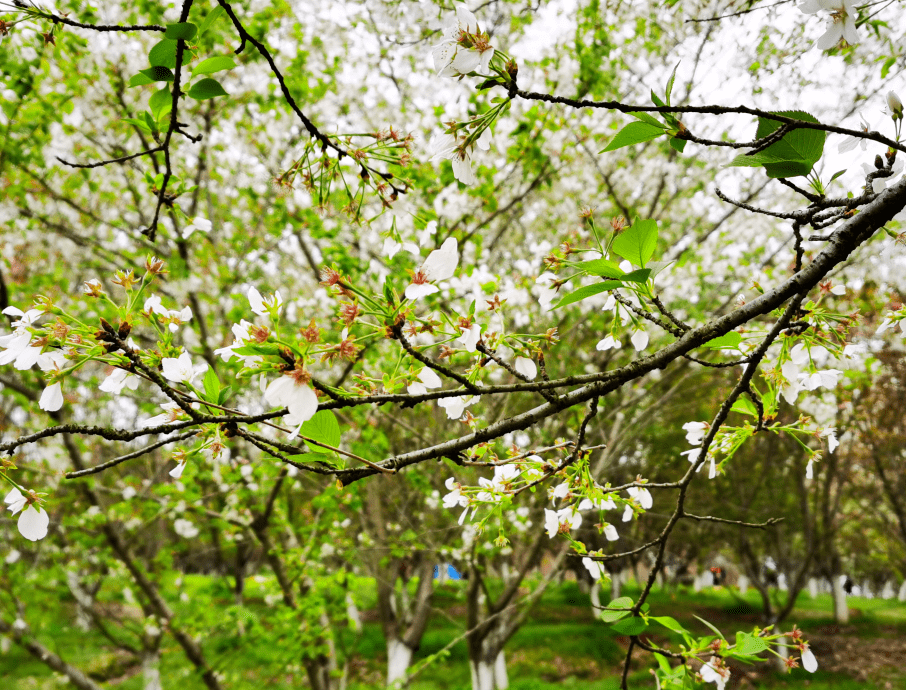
pixel 452 572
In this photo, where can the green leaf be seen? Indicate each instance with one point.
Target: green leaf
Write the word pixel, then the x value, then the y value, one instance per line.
pixel 602 267
pixel 149 121
pixel 158 74
pixel 206 88
pixel 224 395
pixel 214 64
pixel 138 123
pixel 161 102
pixel 639 275
pixel 670 624
pixel 744 406
pixel 636 244
pixel 140 80
pixel 670 83
pixel 609 616
pixel 657 101
pixel 794 155
pixel 184 30
pixel 677 144
pixel 836 175
pixel 630 626
pixel 323 427
pixel 163 54
pixel 645 117
pixel 633 133
pixel 718 632
pixel 263 349
pixel 586 292
pixel 748 644
pixel 212 17
pixel 211 385
pixel 727 341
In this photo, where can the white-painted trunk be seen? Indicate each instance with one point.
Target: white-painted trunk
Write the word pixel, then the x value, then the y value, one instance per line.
pixel 743 584
pixel 595 594
pixel 887 590
pixel 901 596
pixel 482 676
pixel 352 612
pixel 841 608
pixel 697 584
pixel 616 583
pixel 867 591
pixel 812 587
pixel 500 676
pixel 784 651
pixel 151 670
pixel 399 657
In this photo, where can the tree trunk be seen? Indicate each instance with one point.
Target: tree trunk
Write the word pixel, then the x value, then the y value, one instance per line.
pixel 616 584
pixel 596 599
pixel 489 669
pixel 151 670
pixel 841 608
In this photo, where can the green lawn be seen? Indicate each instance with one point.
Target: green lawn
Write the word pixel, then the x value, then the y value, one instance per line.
pixel 562 647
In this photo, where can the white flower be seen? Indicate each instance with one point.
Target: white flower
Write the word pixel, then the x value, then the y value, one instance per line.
pixel 526 367
pixel 838 290
pixel 117 380
pixel 171 412
pixel 809 662
pixel 611 532
pixel 52 397
pixel 470 337
pixel 464 48
pixel 391 247
pixel 176 472
pixel 440 265
pixel 894 104
pixel 455 497
pixel 543 286
pixel 639 340
pixel 826 378
pixel 456 406
pixel 201 224
pixel 628 513
pixel 595 568
pixel 426 379
pixel 842 21
pixel 33 521
pixel 642 495
pixel 695 432
pixel 298 398
pixel 715 672
pixel 830 433
pixel 850 143
pixel 608 343
pixel 185 528
pixel 560 491
pixel 462 168
pixel 809 474
pixel 262 306
pixel 567 517
pixel 179 369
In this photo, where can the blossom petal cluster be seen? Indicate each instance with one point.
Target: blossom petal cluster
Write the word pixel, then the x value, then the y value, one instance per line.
pixel 301 401
pixel 464 48
pixel 440 265
pixel 841 23
pixel 33 521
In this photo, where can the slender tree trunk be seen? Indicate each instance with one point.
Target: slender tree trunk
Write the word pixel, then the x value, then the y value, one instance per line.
pixel 151 670
pixel 595 594
pixel 841 607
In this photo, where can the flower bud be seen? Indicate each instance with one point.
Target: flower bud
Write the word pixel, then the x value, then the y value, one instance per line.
pixel 895 105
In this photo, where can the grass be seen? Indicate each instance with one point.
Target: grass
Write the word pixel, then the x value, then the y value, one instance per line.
pixel 561 646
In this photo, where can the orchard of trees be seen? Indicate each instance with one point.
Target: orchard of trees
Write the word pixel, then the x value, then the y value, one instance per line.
pixel 308 299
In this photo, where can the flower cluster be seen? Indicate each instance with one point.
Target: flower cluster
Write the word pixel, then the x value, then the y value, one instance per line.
pixel 465 48
pixel 841 23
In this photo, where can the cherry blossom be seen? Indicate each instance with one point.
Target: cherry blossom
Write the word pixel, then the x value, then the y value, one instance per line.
pixel 262 306
pixel 427 378
pixel 894 105
pixel 179 369
pixel 440 265
pixel 171 412
pixel 608 343
pixel 201 224
pixel 566 518
pixel 117 380
pixel 715 671
pixel 470 337
pixel 457 405
pixel 611 532
pixel 595 568
pixel 850 143
pixel 695 432
pixel 809 662
pixel 185 528
pixel 830 433
pixel 642 495
pixel 288 391
pixel 526 367
pixel 33 521
pixel 639 340
pixel 842 22
pixel 176 472
pixel 52 397
pixel 464 48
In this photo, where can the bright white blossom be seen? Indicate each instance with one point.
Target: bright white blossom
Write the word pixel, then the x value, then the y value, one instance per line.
pixel 185 528
pixel 457 405
pixel 850 143
pixel 715 671
pixel 642 495
pixel 470 337
pixel 569 518
pixel 894 105
pixel 464 47
pixel 639 340
pixel 201 224
pixel 52 397
pixel 809 662
pixel 427 378
pixel 595 568
pixel 695 432
pixel 608 343
pixel 262 306
pixel 176 472
pixel 179 369
pixel 33 520
pixel 117 380
pixel 440 265
pixel 842 21
pixel 526 367
pixel 611 532
pixel 298 398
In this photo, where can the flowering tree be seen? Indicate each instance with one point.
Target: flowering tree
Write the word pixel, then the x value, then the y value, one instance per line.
pixel 249 269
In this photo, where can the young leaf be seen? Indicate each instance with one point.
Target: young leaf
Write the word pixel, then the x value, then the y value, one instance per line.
pixel 670 624
pixel 184 30
pixel 645 117
pixel 160 102
pixel 163 54
pixel 262 349
pixel 639 275
pixel 744 406
pixel 718 632
pixel 211 385
pixel 630 626
pixel 138 123
pixel 636 244
pixel 609 616
pixel 224 395
pixel 749 645
pixel 633 133
pixel 158 74
pixel 727 341
pixel 323 427
pixel 212 17
pixel 602 267
pixel 214 64
pixel 586 292
pixel 670 83
pixel 206 88
pixel 836 175
pixel 677 144
pixel 140 80
pixel 794 155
